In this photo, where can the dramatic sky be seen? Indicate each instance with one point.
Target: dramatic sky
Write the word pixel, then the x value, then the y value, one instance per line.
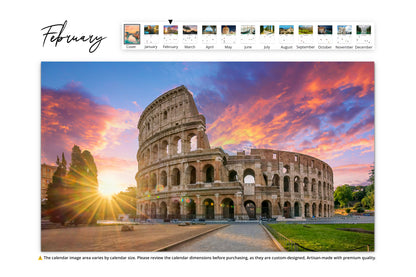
pixel 321 109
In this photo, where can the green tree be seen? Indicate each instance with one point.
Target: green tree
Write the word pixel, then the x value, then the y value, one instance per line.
pixel 83 187
pixel 368 200
pixel 358 195
pixel 343 194
pixel 56 192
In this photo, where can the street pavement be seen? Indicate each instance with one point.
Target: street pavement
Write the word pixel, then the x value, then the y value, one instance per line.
pixel 233 238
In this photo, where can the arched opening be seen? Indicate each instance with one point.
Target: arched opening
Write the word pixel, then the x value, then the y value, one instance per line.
pixel 163 179
pixel 208 171
pixel 191 175
pixel 266 209
pixel 153 210
pixel 313 210
pixel 286 183
pixel 232 177
pixel 155 151
pixel 165 115
pixel 153 181
pixel 190 208
pixel 276 180
pixel 319 188
pixel 176 210
pixel 305 184
pixel 307 211
pixel 325 215
pixel 209 209
pixel 297 209
pixel 176 177
pixel 177 145
pixel 286 169
pixel 163 210
pixel 313 188
pixel 227 208
pixel 296 184
pixel 165 149
pixel 193 142
pixel 250 209
pixel 286 210
pixel 249 176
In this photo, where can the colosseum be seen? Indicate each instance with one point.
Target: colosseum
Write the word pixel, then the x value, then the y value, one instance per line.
pixel 181 177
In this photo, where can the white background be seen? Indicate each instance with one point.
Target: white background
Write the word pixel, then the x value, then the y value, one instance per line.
pixel 21 54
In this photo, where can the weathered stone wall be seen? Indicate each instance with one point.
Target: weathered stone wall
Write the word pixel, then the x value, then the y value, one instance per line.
pixel 180 176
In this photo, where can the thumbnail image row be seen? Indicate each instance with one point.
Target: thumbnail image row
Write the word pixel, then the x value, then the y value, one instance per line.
pixel 132 31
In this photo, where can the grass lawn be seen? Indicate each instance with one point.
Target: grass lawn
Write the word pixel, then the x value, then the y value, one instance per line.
pixel 325 237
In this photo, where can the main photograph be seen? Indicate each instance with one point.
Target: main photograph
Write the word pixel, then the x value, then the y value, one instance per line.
pixel 207 156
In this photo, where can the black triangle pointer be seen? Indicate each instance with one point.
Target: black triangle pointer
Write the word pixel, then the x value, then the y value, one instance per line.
pixel 170 21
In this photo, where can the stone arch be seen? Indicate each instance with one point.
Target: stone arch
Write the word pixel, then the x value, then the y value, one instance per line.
pixel 305 184
pixel 227 205
pixel 249 176
pixel 296 184
pixel 307 210
pixel 232 176
pixel 208 173
pixel 163 214
pixel 155 152
pixel 314 210
pixel 286 210
pixel 193 142
pixel 177 145
pixel 250 207
pixel 153 210
pixel 313 187
pixel 164 149
pixel 190 208
pixel 190 175
pixel 164 178
pixel 153 181
pixel 266 209
pixel 176 177
pixel 286 169
pixel 209 209
pixel 276 181
pixel 286 183
pixel 297 209
pixel 319 188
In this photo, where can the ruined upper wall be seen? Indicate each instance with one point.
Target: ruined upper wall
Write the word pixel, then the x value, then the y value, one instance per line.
pixel 175 109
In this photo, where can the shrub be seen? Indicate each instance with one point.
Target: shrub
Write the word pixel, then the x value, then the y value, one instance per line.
pixel 360 210
pixel 348 210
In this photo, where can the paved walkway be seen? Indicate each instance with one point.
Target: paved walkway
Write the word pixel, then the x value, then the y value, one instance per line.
pixel 145 237
pixel 233 238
